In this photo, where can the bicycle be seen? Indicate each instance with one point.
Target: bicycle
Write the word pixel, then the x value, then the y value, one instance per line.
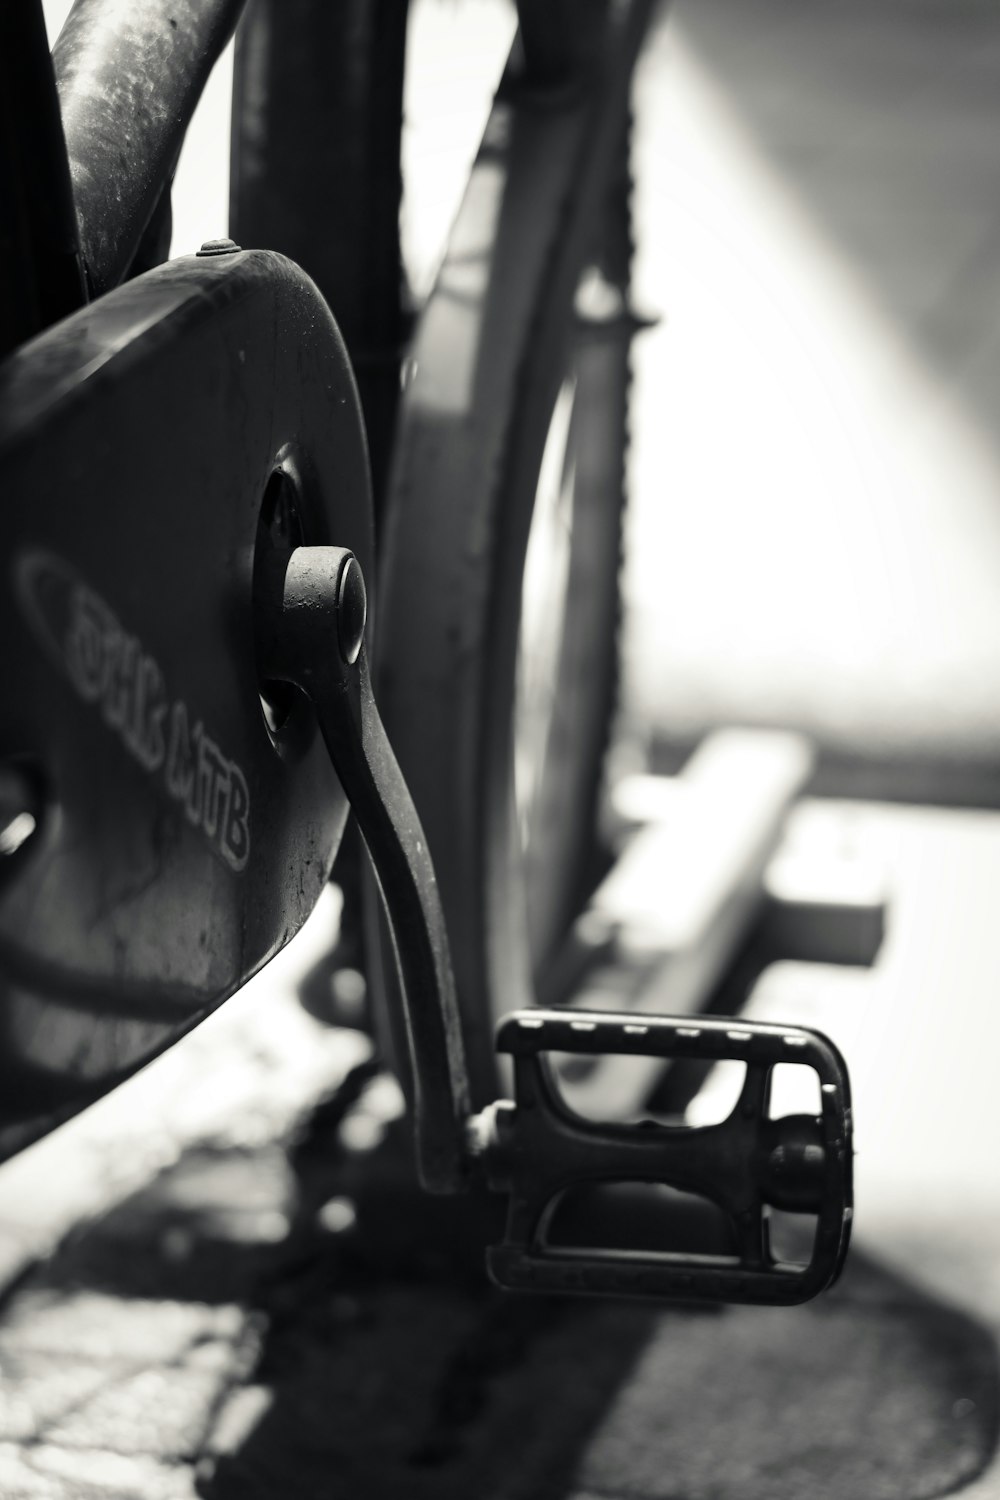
pixel 182 779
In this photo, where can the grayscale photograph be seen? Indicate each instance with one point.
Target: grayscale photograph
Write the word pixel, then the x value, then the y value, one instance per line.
pixel 499 749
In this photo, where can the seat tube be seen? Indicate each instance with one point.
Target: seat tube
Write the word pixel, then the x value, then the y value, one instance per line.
pixel 317 119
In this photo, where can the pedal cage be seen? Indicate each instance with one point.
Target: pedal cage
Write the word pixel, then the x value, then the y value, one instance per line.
pixel 537 1148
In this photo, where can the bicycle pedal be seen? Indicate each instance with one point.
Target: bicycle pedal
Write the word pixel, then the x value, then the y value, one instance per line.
pixel 537 1149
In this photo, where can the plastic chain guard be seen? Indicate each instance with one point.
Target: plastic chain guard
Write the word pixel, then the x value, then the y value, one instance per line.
pixel 179 842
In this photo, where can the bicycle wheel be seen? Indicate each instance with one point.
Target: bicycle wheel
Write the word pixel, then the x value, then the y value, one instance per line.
pixel 517 408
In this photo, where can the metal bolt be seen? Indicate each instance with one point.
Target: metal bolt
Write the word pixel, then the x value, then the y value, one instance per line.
pixel 352 610
pixel 219 247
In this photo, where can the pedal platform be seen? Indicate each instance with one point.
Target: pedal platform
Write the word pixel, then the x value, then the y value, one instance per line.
pixel 537 1150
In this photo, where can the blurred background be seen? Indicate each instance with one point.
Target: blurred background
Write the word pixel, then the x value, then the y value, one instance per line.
pixel 819 223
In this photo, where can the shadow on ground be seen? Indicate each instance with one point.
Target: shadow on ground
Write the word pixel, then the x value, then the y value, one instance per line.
pixel 379 1363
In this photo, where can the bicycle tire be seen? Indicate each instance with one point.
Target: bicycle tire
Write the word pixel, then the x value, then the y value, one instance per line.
pixel 491 352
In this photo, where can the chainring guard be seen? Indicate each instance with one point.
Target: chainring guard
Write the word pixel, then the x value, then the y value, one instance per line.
pixel 180 840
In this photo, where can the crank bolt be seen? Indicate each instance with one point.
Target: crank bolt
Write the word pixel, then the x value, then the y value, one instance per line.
pixel 219 247
pixel 352 610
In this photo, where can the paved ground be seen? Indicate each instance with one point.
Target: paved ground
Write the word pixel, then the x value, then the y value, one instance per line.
pixel 276 1315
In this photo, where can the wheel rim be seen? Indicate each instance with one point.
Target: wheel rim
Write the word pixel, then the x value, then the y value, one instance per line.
pixel 545 582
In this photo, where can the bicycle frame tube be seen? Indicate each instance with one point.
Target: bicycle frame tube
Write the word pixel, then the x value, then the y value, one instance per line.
pixel 129 78
pixel 328 195
pixel 41 279
pixel 558 36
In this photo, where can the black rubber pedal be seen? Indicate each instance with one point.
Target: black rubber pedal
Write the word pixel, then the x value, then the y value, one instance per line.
pixel 538 1149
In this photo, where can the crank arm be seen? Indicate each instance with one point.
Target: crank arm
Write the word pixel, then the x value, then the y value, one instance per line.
pixel 310 612
pixel 310 619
